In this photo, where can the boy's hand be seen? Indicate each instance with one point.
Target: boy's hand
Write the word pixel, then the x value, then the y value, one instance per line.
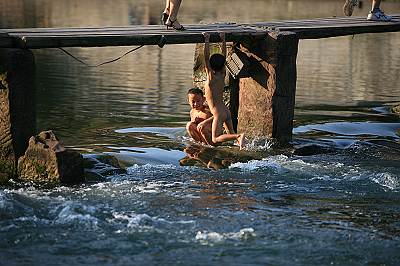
pixel 206 36
pixel 200 126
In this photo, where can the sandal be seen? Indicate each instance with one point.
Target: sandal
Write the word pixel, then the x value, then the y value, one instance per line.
pixel 173 26
pixel 164 17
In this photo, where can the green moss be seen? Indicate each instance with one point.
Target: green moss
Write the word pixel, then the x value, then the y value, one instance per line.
pixel 39 168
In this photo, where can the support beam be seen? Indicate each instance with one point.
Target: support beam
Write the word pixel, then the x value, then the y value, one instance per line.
pixel 17 107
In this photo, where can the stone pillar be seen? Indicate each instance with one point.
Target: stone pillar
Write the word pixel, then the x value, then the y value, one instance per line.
pixel 267 97
pixel 17 107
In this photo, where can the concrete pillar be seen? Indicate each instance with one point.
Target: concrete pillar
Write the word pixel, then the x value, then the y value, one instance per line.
pixel 17 107
pixel 267 97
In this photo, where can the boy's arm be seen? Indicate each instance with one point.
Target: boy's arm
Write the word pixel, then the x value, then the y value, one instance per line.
pixel 207 51
pixel 204 123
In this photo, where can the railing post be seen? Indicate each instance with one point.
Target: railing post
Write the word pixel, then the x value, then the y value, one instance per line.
pixel 17 107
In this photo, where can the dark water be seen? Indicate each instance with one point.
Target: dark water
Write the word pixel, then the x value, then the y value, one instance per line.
pixel 180 203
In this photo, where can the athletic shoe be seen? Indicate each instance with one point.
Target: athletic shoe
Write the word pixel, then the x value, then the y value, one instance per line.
pixel 378 16
pixel 348 7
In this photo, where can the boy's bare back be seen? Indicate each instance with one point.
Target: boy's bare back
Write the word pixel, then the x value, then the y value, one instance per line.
pixel 214 88
pixel 214 91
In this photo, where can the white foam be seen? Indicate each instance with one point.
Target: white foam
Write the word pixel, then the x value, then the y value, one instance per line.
pixel 143 221
pixel 386 180
pixel 206 238
pixel 75 213
pixel 256 164
pixel 210 238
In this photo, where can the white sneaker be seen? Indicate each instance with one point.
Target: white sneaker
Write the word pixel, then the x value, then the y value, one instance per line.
pixel 378 16
pixel 348 7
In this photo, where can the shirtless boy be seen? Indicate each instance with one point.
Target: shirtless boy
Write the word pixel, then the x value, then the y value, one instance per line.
pixel 216 71
pixel 200 117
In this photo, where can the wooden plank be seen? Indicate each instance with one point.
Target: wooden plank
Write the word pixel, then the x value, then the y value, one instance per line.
pixel 332 27
pixel 121 36
pixel 5 40
pixel 36 38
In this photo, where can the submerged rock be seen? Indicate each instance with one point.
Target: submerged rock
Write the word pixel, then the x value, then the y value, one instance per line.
pixel 47 161
pixel 98 167
pixel 311 149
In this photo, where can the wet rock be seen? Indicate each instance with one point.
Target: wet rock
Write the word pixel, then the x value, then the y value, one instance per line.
pixel 47 161
pixel 98 167
pixel 311 149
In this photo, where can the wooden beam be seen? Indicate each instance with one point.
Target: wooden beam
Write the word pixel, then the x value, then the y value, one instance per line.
pixel 37 38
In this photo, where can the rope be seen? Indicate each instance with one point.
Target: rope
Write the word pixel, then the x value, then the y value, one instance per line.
pixel 118 58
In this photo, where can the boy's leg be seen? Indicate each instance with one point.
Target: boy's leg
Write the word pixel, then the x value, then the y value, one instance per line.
pixel 207 135
pixel 216 128
pixel 220 118
pixel 193 133
pixel 228 125
pixel 218 137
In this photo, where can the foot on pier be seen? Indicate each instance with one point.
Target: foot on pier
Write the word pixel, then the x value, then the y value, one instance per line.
pixel 173 25
pixel 348 7
pixel 378 16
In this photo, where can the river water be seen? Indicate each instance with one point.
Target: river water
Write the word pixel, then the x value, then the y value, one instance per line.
pixel 179 203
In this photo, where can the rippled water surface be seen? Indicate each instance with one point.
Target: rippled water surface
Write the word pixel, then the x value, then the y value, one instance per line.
pixel 175 202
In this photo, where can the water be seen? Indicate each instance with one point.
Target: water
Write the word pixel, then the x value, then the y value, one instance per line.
pixel 180 203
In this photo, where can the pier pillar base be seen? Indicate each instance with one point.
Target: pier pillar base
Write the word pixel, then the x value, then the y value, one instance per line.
pixel 267 97
pixel 17 107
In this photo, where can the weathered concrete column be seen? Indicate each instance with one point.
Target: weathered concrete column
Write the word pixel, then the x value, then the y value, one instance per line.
pixel 267 97
pixel 17 107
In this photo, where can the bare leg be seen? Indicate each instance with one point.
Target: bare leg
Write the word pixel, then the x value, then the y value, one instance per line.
pixel 173 14
pixel 242 141
pixel 207 135
pixel 193 133
pixel 218 137
pixel 167 7
pixel 376 2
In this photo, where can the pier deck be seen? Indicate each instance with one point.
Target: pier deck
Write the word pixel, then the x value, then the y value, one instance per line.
pixel 36 38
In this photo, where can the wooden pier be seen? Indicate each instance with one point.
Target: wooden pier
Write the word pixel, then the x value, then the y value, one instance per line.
pixel 264 100
pixel 38 38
